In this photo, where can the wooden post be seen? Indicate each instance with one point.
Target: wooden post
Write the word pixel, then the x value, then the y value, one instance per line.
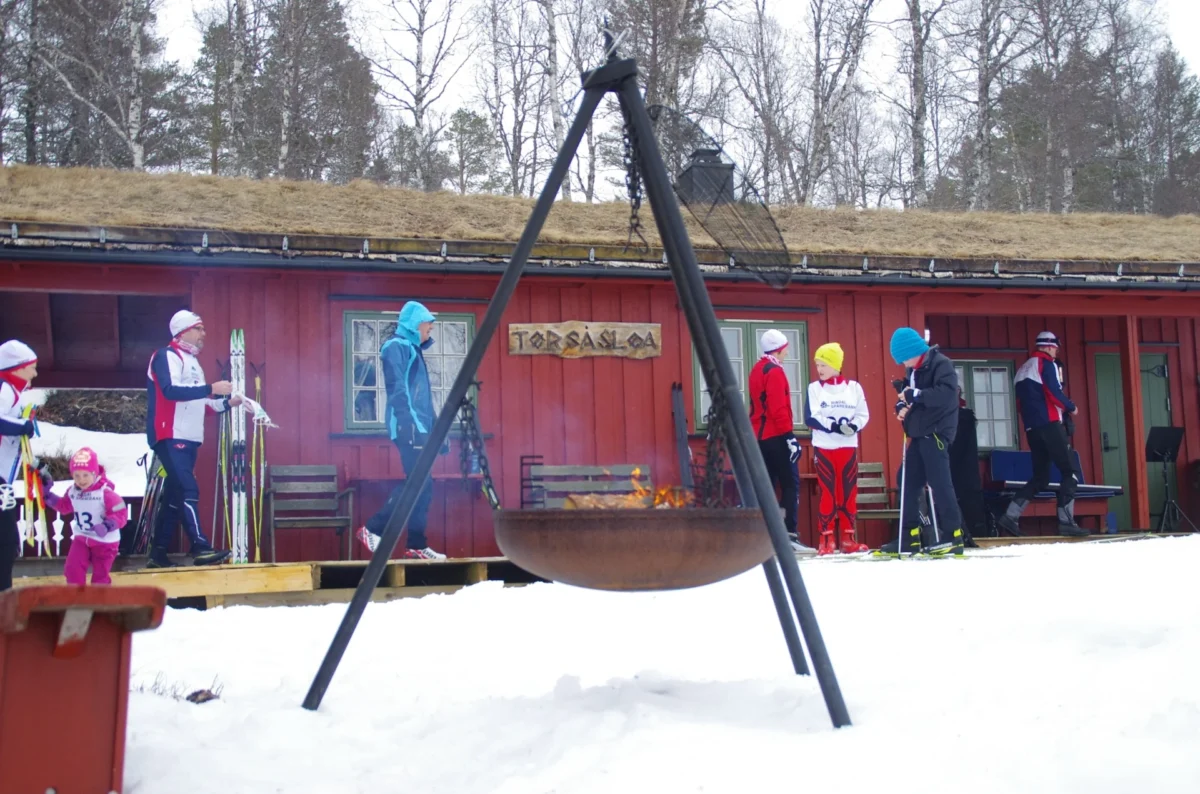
pixel 1135 434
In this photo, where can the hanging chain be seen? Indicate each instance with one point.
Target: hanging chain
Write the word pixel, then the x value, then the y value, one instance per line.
pixel 713 486
pixel 633 180
pixel 473 442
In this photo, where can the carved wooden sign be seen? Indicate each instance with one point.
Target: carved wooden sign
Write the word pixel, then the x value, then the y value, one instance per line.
pixel 576 339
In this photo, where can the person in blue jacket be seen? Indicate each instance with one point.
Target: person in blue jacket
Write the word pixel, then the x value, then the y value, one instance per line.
pixel 1044 406
pixel 410 417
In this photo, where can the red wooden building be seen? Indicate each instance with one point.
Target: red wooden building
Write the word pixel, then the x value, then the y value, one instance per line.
pixel 95 302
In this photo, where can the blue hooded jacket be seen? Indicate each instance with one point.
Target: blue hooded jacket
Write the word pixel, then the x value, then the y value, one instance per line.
pixel 409 397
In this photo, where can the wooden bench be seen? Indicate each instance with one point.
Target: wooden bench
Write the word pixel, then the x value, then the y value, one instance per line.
pixel 548 487
pixel 1009 470
pixel 873 490
pixel 308 490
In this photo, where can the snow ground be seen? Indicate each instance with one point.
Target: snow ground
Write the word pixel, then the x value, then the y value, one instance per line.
pixel 1066 668
pixel 119 452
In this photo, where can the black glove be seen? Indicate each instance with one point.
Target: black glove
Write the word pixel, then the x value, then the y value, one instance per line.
pixel 900 406
pixel 898 385
pixel 845 426
pixel 27 428
pixel 910 396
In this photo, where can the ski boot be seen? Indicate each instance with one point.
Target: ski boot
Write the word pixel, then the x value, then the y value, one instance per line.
pixel 799 548
pixel 826 545
pixel 204 554
pixel 850 544
pixel 891 549
pixel 947 547
pixel 159 559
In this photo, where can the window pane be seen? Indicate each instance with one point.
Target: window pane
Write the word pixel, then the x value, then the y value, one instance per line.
pixel 435 336
pixel 732 337
pixel 984 434
pixel 705 405
pixel 364 370
pixel 792 370
pixel 999 406
pixel 1003 434
pixel 434 365
pixel 979 380
pixel 797 417
pixel 386 331
pixel 454 338
pixel 365 406
pixel 793 337
pixel 1000 382
pixel 962 382
pixel 739 372
pixel 365 339
pixel 450 368
pixel 982 409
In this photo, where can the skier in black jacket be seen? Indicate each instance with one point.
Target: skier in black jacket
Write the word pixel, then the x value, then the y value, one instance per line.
pixel 928 408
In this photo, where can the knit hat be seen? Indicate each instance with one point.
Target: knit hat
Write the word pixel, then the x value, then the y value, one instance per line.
pixel 906 344
pixel 773 340
pixel 184 320
pixel 14 355
pixel 831 354
pixel 85 459
pixel 1047 339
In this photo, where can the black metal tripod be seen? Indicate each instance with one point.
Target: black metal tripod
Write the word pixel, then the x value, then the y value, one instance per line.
pixel 618 76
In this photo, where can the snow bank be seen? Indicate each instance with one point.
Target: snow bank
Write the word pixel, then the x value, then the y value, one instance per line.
pixel 119 454
pixel 1055 669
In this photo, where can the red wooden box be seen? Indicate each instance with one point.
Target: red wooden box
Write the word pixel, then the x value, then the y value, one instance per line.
pixel 64 684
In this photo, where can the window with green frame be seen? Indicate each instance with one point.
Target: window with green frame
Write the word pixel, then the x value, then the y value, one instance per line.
pixel 365 391
pixel 988 389
pixel 741 339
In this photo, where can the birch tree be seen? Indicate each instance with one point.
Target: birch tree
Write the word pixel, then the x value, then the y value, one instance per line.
pixel 421 58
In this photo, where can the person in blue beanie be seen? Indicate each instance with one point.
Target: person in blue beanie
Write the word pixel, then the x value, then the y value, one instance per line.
pixel 410 417
pixel 928 409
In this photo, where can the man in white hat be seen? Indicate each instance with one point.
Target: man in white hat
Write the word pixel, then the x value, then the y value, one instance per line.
pixel 177 396
pixel 1044 405
pixel 18 366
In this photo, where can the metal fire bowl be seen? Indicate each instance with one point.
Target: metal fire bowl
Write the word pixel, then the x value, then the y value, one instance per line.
pixel 650 549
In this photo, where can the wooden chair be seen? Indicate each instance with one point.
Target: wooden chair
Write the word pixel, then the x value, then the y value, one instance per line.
pixel 873 490
pixel 312 492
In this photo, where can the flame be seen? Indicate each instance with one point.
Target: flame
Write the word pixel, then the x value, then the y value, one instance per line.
pixel 666 496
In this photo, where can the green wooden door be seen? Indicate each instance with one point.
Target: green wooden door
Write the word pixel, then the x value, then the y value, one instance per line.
pixel 1156 407
pixel 1156 410
pixel 1111 399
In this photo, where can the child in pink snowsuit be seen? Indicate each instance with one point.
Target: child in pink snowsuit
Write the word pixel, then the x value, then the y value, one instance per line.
pixel 99 515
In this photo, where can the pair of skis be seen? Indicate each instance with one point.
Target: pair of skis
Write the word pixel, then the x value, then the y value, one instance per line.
pixel 34 531
pixel 242 467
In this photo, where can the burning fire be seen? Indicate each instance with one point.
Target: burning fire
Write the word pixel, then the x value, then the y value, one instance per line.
pixel 665 496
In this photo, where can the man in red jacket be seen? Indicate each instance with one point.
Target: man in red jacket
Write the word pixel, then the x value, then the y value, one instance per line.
pixel 771 416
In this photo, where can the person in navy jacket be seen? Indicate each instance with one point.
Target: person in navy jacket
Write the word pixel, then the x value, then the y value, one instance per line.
pixel 1044 406
pixel 177 400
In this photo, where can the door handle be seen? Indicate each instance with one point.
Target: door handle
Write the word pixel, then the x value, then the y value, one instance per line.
pixel 1104 445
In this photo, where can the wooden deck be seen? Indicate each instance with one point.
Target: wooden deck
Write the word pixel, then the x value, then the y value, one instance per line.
pixel 295 583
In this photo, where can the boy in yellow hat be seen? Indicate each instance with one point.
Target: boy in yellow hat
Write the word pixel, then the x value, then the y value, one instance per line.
pixel 836 410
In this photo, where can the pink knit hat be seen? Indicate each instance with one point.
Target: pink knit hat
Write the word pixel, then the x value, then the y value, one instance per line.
pixel 85 460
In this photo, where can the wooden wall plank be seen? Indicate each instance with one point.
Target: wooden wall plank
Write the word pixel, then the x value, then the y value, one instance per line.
pixel 611 403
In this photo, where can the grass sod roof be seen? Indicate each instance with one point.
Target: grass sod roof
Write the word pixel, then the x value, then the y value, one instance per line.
pixel 98 197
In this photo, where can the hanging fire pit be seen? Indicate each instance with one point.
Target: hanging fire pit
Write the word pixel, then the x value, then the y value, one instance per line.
pixel 632 542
